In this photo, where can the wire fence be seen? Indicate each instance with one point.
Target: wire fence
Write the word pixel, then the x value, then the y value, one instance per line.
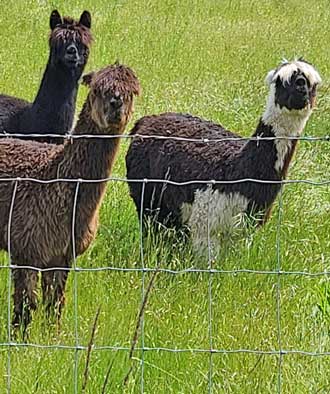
pixel 159 268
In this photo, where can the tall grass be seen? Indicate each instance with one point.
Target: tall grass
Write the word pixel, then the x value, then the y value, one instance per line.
pixel 208 58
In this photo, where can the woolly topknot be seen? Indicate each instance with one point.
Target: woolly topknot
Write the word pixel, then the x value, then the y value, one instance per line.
pixel 285 71
pixel 69 29
pixel 115 78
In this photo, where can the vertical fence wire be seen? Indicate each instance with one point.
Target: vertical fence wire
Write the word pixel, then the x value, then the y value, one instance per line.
pixel 143 282
pixel 279 353
pixel 75 289
pixel 210 315
pixel 278 292
pixel 9 288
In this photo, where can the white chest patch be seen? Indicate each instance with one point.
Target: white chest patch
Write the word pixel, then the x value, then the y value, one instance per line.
pixel 212 212
pixel 285 124
pixel 283 147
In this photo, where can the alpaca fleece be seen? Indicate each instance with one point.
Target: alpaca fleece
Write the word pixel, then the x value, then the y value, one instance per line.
pixel 42 219
pixel 52 111
pixel 219 206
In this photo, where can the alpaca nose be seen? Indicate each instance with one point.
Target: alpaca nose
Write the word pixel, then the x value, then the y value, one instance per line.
pixel 72 51
pixel 116 102
pixel 301 84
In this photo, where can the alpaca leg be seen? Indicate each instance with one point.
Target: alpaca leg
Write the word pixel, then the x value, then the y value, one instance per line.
pixel 60 280
pixel 218 214
pixel 203 244
pixel 199 228
pixel 53 287
pixel 25 298
pixel 47 284
pixel 19 289
pixel 208 238
pixel 198 217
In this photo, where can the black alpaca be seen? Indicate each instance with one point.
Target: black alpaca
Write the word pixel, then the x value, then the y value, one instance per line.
pixel 52 111
pixel 219 207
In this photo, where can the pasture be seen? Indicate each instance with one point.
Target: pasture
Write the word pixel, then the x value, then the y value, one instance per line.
pixel 269 331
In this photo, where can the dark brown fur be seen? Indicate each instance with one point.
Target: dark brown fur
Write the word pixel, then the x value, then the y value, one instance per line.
pixel 41 225
pixel 182 161
pixel 70 30
pixel 291 98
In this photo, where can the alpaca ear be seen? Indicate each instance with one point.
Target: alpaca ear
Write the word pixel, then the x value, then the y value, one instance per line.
pixel 55 19
pixel 86 19
pixel 270 77
pixel 87 78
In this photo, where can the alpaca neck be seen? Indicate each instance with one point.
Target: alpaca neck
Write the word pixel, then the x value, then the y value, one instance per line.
pixel 274 153
pixel 88 158
pixel 266 159
pixel 260 159
pixel 54 105
pixel 284 123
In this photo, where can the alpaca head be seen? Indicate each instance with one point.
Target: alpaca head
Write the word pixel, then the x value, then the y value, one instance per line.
pixel 294 85
pixel 70 41
pixel 292 96
pixel 110 99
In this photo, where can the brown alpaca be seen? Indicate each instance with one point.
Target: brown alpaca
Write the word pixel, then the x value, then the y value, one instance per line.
pixel 42 216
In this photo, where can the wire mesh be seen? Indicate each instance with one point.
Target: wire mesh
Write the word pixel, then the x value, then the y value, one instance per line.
pixel 278 273
pixel 9 288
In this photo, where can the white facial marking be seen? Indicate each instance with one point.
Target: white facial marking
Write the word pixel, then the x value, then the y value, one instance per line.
pixel 220 212
pixel 287 69
pixel 285 122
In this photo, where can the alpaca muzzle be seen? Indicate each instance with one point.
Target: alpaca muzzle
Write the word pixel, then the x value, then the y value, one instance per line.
pixel 72 56
pixel 115 113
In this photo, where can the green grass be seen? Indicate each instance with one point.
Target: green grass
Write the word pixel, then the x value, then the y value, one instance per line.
pixel 208 58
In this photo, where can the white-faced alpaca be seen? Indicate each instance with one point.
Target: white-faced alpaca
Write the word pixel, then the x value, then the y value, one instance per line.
pixel 290 102
pixel 42 215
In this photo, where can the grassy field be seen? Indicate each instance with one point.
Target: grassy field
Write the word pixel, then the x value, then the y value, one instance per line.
pixel 208 58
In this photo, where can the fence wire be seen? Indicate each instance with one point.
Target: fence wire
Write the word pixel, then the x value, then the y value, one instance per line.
pixel 210 320
pixel 143 286
pixel 278 273
pixel 75 287
pixel 278 292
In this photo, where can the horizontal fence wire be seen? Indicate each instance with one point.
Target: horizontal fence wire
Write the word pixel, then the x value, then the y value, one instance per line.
pixel 167 181
pixel 280 352
pixel 170 271
pixel 166 349
pixel 325 138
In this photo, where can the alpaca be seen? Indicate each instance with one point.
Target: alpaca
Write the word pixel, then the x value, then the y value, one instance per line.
pixel 219 207
pixel 53 109
pixel 42 216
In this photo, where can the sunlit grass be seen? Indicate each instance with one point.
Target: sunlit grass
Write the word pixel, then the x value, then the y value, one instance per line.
pixel 208 58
